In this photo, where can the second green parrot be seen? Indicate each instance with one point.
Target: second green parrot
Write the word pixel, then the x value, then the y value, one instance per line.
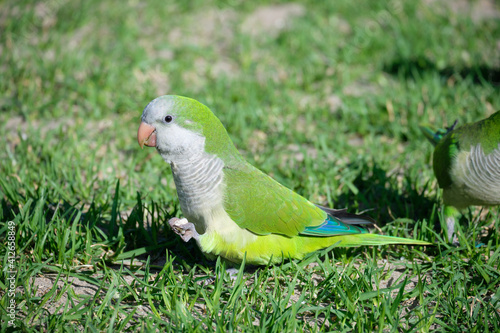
pixel 466 162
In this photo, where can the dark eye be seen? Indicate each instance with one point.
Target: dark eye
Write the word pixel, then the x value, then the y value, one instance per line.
pixel 168 119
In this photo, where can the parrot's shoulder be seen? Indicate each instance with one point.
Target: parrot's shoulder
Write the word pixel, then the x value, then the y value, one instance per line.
pixel 485 132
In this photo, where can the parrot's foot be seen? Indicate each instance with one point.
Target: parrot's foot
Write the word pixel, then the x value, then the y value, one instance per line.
pixel 206 282
pixel 450 226
pixel 233 273
pixel 183 228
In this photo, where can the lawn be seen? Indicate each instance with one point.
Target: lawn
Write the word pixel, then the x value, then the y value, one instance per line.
pixel 326 97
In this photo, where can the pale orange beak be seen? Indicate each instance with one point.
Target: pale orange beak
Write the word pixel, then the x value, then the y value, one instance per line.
pixel 146 135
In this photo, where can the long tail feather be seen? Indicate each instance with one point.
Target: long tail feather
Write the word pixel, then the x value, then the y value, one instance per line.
pixel 352 230
pixel 374 239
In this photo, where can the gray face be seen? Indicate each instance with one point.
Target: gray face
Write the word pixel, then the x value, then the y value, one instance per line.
pixel 156 111
pixel 176 137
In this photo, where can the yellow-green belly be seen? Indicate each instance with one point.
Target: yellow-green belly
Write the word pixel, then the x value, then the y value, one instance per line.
pixel 272 249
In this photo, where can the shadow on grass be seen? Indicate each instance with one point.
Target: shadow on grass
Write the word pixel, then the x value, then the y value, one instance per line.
pixel 397 201
pixel 388 195
pixel 413 68
pixel 49 227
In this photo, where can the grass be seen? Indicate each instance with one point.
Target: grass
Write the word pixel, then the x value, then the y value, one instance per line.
pixel 328 104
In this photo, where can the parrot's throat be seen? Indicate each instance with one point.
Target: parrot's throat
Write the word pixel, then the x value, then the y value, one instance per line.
pixel 199 183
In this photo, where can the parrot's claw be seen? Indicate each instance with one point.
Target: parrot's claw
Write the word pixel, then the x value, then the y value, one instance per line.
pixel 183 228
pixel 452 236
pixel 233 273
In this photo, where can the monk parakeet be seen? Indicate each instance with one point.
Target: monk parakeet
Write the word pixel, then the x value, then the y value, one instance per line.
pixel 466 162
pixel 232 208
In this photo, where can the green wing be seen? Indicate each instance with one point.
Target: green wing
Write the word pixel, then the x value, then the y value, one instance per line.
pixel 260 204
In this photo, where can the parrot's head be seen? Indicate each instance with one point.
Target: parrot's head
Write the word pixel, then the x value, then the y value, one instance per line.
pixel 180 127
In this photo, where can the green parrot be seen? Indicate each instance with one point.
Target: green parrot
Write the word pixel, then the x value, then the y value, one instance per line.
pixel 466 162
pixel 231 208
